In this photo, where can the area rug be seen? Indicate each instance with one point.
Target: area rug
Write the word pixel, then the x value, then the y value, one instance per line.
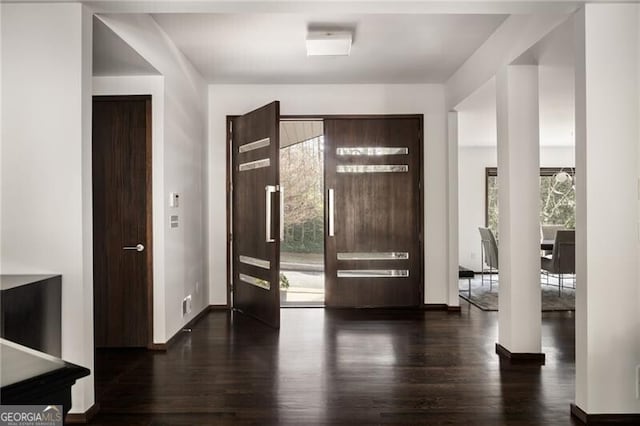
pixel 487 300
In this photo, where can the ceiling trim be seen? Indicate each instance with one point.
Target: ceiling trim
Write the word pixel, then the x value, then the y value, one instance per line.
pixel 315 6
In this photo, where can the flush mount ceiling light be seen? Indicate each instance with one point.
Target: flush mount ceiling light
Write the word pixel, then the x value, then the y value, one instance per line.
pixel 329 43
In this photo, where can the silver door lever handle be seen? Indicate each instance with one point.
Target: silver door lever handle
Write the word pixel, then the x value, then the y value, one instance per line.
pixel 138 247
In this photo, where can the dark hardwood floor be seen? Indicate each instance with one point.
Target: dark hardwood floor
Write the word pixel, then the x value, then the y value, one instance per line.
pixel 340 367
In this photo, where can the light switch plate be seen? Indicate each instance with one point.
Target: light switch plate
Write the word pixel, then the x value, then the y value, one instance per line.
pixel 174 221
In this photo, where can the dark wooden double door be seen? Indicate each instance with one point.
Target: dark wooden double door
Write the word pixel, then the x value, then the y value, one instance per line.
pixel 373 212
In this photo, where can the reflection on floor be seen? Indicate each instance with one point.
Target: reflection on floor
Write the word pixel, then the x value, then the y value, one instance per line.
pixel 305 274
pixel 353 366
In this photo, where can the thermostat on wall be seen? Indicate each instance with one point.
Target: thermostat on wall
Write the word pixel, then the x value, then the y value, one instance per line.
pixel 173 199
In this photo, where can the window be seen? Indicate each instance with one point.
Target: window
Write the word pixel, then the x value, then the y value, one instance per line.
pixel 557 197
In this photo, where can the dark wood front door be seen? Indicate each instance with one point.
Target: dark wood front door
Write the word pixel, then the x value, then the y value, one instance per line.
pixel 374 221
pixel 256 213
pixel 122 221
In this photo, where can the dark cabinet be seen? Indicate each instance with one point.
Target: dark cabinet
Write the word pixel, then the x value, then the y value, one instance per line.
pixel 31 311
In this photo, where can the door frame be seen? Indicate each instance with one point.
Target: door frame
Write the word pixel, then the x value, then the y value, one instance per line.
pixel 299 117
pixel 149 206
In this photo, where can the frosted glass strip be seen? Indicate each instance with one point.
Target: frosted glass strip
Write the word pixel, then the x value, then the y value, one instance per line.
pixel 255 281
pixel 372 151
pixel 382 168
pixel 373 273
pixel 265 264
pixel 395 255
pixel 254 145
pixel 251 165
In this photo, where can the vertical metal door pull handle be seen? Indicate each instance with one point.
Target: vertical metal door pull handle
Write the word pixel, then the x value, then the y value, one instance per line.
pixel 281 213
pixel 331 213
pixel 138 247
pixel 269 189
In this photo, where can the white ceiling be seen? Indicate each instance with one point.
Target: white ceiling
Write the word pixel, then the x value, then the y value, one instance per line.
pixel 270 48
pixel 113 57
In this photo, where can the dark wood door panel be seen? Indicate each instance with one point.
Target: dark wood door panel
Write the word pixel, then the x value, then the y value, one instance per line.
pixel 256 261
pixel 374 293
pixel 121 148
pixel 359 196
pixel 374 212
pixel 249 208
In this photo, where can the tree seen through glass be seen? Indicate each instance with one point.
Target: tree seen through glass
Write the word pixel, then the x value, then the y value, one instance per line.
pixel 301 176
pixel 557 198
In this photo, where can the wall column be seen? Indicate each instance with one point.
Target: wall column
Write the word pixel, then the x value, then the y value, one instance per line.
pixel 46 215
pixel 519 203
pixel 607 213
pixel 452 208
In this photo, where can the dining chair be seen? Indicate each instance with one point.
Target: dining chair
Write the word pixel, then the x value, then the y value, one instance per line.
pixel 548 232
pixel 489 253
pixel 563 257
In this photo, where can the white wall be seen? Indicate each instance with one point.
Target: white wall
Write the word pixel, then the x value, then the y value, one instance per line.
pixel 335 99
pixel 46 163
pixel 180 266
pixel 556 69
pixel 154 86
pixel 472 162
pixel 471 180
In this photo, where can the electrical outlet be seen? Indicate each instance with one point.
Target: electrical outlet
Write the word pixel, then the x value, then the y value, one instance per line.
pixel 197 286
pixel 186 305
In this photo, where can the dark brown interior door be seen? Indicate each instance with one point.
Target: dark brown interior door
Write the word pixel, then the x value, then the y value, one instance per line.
pixel 256 213
pixel 122 221
pixel 373 252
